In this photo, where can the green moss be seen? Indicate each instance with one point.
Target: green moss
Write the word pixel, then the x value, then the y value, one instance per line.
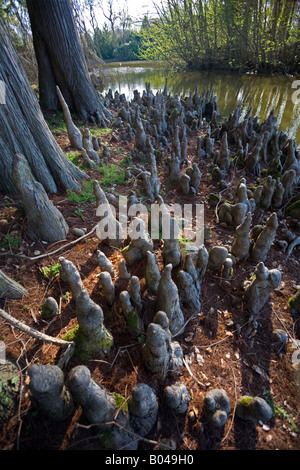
pixel 133 320
pixel 252 188
pixel 246 401
pixel 275 173
pixel 121 402
pixel 214 198
pixel 294 209
pixel 10 242
pixel 99 342
pixel 291 302
pixel 174 115
pixel 57 123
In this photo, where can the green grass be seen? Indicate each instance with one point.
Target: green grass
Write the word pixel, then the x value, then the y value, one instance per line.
pixel 112 174
pixel 74 157
pixel 100 132
pixel 86 194
pixel 57 123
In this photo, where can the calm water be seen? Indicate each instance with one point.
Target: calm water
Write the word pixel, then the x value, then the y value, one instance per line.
pixel 263 93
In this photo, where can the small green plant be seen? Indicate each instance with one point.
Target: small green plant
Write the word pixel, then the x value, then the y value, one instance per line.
pixel 184 241
pixel 50 272
pixel 79 212
pixel 66 296
pixel 278 410
pixel 121 402
pixel 6 387
pixel 10 242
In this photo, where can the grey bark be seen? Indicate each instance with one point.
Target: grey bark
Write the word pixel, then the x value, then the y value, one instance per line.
pixel 177 397
pixel 159 354
pixel 134 290
pixel 258 291
pixel 168 300
pixel 265 239
pixel 101 408
pixel 133 320
pixel 44 220
pixel 48 391
pixel 152 273
pixel 104 263
pixel 9 288
pixel 253 409
pixel 93 337
pixel 61 61
pixel 74 133
pixel 216 407
pixel 108 287
pixel 24 130
pixel 138 245
pixel 143 409
pixel 241 244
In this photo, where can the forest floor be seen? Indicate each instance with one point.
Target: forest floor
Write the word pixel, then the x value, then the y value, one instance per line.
pixel 216 355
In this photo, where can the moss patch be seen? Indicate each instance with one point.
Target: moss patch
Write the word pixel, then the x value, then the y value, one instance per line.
pixel 294 209
pixel 87 345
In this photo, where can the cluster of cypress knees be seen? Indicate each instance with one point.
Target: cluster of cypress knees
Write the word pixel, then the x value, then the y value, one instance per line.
pixel 160 124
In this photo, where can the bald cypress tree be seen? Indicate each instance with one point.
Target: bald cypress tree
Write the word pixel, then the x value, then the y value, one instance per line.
pixel 23 130
pixel 61 61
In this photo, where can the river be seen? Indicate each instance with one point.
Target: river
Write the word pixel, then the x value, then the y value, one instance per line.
pixel 262 92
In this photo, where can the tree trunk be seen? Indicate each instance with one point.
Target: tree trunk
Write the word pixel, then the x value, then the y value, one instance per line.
pixel 24 130
pixel 61 60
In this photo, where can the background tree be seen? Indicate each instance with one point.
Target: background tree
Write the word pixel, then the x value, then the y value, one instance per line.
pixel 119 38
pixel 61 61
pixel 260 35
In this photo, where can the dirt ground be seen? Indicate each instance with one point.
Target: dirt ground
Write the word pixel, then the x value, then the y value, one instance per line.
pixel 216 355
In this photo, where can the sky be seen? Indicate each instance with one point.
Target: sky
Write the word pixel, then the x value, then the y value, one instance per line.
pixel 136 8
pixel 139 7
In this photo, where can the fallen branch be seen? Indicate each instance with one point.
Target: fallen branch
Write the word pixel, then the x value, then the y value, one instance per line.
pixel 69 345
pixel 192 317
pixel 191 373
pixel 34 258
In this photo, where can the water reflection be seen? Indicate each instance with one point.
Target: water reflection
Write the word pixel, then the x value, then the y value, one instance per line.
pixel 263 93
